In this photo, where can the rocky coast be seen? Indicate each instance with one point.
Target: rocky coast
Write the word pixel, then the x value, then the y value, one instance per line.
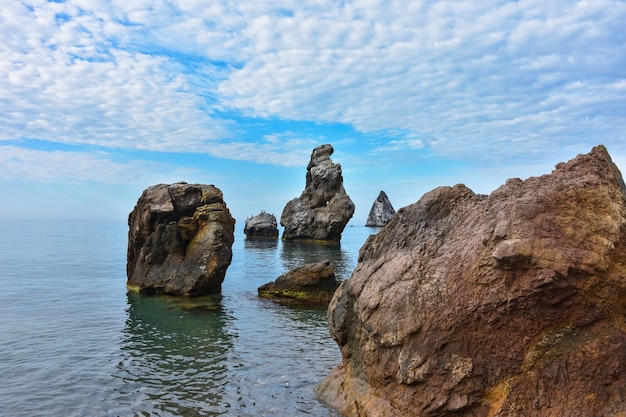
pixel 511 303
pixel 508 304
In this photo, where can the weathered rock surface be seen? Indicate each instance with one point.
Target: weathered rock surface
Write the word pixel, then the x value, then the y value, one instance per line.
pixel 381 212
pixel 313 283
pixel 263 225
pixel 323 209
pixel 179 240
pixel 512 304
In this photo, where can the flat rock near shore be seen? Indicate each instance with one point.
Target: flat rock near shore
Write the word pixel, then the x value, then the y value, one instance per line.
pixel 312 284
pixel 508 304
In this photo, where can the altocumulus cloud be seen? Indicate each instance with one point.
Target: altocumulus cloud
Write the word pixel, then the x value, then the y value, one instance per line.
pixel 67 81
pixel 466 76
pixel 475 79
pixel 44 166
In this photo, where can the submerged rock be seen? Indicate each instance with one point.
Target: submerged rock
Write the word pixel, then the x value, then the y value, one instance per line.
pixel 313 283
pixel 381 212
pixel 507 304
pixel 179 240
pixel 263 225
pixel 323 209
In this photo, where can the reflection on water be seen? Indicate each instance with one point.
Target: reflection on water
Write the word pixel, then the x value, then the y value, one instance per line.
pixel 74 343
pixel 295 254
pixel 234 354
pixel 260 244
pixel 173 359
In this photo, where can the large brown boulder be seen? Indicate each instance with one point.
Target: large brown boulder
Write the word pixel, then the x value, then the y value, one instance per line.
pixel 323 209
pixel 512 304
pixel 179 240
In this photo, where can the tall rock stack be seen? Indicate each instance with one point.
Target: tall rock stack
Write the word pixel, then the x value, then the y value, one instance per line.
pixel 179 240
pixel 381 212
pixel 323 209
pixel 512 304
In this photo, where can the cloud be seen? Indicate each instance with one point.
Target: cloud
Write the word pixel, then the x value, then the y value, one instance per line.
pixel 74 166
pixel 277 149
pixel 462 76
pixel 67 81
pixel 460 79
pixel 401 144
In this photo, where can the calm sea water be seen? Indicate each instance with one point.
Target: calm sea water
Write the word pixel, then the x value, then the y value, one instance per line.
pixel 73 342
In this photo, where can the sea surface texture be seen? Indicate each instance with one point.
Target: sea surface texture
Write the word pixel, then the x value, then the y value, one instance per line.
pixel 73 342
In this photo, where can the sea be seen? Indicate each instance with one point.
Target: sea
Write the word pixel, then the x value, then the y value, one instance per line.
pixel 75 342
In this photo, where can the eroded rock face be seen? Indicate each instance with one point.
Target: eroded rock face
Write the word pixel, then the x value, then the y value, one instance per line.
pixel 263 225
pixel 381 212
pixel 179 240
pixel 500 305
pixel 323 209
pixel 313 283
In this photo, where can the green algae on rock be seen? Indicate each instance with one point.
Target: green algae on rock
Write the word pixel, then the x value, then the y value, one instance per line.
pixel 311 284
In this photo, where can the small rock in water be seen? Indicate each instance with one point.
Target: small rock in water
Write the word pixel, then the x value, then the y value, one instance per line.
pixel 263 225
pixel 313 283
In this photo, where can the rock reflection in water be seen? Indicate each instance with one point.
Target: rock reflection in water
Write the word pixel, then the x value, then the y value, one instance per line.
pixel 298 253
pixel 260 244
pixel 173 356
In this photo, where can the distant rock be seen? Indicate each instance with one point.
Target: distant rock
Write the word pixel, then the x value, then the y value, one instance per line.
pixel 180 239
pixel 381 212
pixel 500 305
pixel 313 283
pixel 323 209
pixel 263 225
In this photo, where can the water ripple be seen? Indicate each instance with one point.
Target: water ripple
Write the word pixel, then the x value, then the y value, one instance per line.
pixel 74 343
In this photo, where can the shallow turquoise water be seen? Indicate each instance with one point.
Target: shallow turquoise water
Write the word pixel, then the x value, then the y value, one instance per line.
pixel 73 342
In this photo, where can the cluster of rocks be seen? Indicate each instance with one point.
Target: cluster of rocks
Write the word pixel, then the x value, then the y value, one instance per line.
pixel 322 210
pixel 181 235
pixel 508 304
pixel 512 303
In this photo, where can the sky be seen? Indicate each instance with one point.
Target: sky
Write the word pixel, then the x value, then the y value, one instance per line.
pixel 102 99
